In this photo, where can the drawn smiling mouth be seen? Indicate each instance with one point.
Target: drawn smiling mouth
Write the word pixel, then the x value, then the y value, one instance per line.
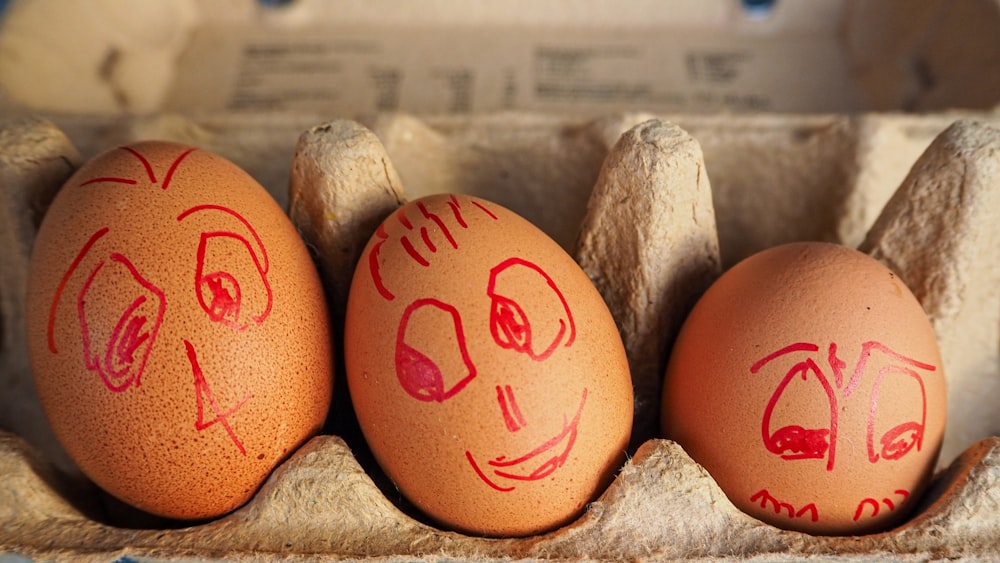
pixel 536 464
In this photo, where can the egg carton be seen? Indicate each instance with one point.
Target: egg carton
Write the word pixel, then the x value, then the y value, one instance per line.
pixel 653 208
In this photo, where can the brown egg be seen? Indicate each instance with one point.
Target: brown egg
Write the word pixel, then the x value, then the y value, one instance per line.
pixel 807 381
pixel 486 371
pixel 177 329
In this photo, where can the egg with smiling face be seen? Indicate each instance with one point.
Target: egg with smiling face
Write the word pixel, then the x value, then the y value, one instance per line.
pixel 177 329
pixel 487 373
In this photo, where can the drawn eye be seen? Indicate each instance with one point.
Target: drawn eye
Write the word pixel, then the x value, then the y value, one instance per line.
pixel 117 350
pixel 231 269
pixel 516 285
pixel 794 438
pixel 898 422
pixel 222 257
pixel 898 441
pixel 432 325
pixel 509 324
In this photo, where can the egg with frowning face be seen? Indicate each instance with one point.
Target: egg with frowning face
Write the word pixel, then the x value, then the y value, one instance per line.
pixel 808 382
pixel 178 331
pixel 487 373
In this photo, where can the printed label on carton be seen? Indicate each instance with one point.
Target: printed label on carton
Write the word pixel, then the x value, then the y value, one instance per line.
pixel 483 69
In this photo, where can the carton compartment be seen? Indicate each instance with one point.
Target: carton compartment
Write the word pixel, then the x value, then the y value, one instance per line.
pixel 650 206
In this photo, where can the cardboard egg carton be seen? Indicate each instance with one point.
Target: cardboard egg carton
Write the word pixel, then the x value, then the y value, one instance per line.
pixel 654 208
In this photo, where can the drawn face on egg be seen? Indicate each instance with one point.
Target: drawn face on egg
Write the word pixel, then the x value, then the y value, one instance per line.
pixel 228 281
pixel 469 358
pixel 808 382
pixel 876 416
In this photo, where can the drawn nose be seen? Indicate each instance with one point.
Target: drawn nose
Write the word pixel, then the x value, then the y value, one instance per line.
pixel 512 416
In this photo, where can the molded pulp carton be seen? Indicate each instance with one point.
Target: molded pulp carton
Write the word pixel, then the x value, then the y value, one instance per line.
pixel 658 143
pixel 920 193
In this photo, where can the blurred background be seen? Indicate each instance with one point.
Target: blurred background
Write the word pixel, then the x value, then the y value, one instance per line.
pixel 348 57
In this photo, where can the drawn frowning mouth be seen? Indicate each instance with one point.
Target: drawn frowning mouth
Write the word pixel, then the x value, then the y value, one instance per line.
pixel 536 464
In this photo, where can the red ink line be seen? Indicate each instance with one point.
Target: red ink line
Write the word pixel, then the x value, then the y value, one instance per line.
pixel 569 430
pixel 173 167
pixel 128 343
pixel 201 388
pixel 118 340
pixel 870 429
pixel 811 507
pixel 437 220
pixel 797 347
pixel 483 476
pixel 260 258
pixel 802 443
pixel 500 464
pixel 511 328
pixel 376 269
pixel 508 418
pixel 408 246
pixel 427 239
pixel 224 307
pixel 513 405
pixel 892 446
pixel 110 179
pixel 861 508
pixel 145 164
pixel 419 376
pixel 837 365
pixel 487 211
pixel 889 503
pixel 62 285
pixel 132 338
pixel 766 498
pixel 260 244
pixel 401 215
pixel 866 352
pixel 455 209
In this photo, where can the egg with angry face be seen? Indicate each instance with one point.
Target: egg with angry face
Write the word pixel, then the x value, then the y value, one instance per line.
pixel 487 374
pixel 178 331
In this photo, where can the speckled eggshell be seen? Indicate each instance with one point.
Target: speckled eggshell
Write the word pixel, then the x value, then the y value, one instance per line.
pixel 487 373
pixel 178 332
pixel 808 382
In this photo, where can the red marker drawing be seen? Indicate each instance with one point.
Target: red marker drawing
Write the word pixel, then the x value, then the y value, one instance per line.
pixel 766 499
pixel 203 392
pixel 794 442
pixel 118 353
pixel 419 374
pixel 422 238
pixel 219 292
pixel 147 166
pixel 510 324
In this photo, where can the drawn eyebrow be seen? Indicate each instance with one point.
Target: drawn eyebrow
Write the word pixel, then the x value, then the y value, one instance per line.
pixel 866 352
pixel 110 179
pixel 147 166
pixel 791 348
pixel 173 167
pixel 145 163
pixel 487 211
pixel 440 223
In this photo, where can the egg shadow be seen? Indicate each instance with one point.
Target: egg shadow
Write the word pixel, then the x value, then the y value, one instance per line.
pixel 342 421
